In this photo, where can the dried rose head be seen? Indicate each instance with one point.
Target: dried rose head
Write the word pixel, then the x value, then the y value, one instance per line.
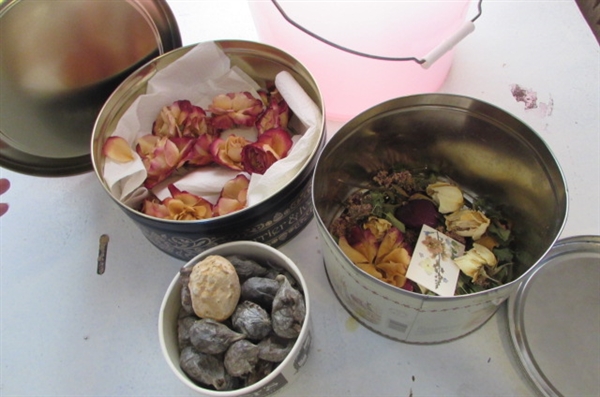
pixel 467 223
pixel 228 152
pixel 235 109
pixel 160 156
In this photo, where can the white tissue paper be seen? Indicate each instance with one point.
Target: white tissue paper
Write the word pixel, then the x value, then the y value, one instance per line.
pixel 199 75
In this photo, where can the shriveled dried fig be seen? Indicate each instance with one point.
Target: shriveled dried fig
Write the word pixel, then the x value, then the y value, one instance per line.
pixel 288 311
pixel 214 287
pixel 212 337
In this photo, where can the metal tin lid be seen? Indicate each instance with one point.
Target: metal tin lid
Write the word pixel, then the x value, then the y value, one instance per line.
pixel 554 319
pixel 59 62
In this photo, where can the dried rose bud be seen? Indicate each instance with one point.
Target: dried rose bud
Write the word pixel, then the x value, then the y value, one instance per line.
pixel 473 262
pixel 117 148
pixel 181 119
pixel 160 156
pixel 467 223
pixel 271 146
pixel 241 108
pixel 228 152
pixel 449 198
pixel 233 196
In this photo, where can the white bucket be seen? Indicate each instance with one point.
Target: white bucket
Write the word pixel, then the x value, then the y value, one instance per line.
pixel 365 52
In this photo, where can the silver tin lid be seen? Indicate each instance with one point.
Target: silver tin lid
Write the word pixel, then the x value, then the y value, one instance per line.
pixel 554 319
pixel 59 62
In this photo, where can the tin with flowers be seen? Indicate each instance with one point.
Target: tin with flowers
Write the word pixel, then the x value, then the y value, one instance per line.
pixel 431 225
pixel 212 143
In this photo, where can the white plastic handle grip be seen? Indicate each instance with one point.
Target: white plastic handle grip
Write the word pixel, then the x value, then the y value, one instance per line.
pixel 435 54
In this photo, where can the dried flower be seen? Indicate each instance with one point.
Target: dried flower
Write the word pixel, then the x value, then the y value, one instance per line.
pixel 181 119
pixel 418 212
pixel 387 260
pixel 473 262
pixel 467 223
pixel 377 226
pixel 182 206
pixel 228 152
pixel 199 153
pixel 240 108
pixel 276 115
pixel 233 196
pixel 161 156
pixel 117 148
pixel 271 146
pixel 449 198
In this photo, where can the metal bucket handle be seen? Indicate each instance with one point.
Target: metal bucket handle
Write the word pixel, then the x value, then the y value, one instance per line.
pixel 426 61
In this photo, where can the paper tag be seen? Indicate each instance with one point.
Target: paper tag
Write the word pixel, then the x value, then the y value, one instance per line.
pixel 432 263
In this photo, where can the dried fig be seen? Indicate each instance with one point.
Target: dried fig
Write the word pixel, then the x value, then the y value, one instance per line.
pixel 214 287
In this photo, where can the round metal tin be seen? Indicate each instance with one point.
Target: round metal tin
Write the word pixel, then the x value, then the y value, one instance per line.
pixel 59 62
pixel 554 319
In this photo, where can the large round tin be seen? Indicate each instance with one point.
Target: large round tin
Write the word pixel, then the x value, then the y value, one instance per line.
pixel 286 372
pixel 554 319
pixel 272 221
pixel 60 61
pixel 487 152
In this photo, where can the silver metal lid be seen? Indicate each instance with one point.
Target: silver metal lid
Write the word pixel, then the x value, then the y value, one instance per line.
pixel 554 319
pixel 59 62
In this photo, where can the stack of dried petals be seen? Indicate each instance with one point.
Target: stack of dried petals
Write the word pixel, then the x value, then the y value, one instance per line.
pixel 186 136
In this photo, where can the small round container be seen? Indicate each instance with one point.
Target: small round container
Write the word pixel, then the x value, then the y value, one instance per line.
pixel 485 151
pixel 285 372
pixel 272 221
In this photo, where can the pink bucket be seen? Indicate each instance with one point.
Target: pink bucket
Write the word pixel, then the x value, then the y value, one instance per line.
pixel 362 53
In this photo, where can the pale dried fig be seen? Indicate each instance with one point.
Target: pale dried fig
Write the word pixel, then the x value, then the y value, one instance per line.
pixel 214 288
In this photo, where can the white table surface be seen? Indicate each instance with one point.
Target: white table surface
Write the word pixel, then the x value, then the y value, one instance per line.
pixel 67 331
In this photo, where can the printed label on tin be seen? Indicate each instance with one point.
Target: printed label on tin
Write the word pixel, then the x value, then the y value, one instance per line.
pixel 432 264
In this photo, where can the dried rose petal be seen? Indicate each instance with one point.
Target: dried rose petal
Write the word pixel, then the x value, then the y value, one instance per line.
pixel 228 152
pixel 233 196
pixel 117 148
pixel 155 209
pixel 160 156
pixel 181 119
pixel 241 107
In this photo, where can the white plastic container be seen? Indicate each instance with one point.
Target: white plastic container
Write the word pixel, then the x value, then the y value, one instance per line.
pixel 351 82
